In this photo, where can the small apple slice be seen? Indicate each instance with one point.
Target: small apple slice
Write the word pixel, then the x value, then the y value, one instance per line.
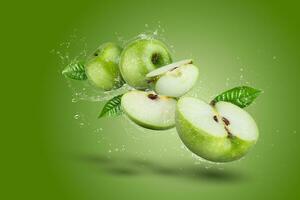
pixel 176 79
pixel 170 67
pixel 149 110
pixel 222 132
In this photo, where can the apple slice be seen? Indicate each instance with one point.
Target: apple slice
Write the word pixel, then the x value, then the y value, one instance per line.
pixel 222 132
pixel 176 79
pixel 167 68
pixel 149 110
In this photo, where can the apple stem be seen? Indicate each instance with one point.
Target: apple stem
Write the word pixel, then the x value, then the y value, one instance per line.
pixel 155 58
pixel 213 102
pixel 229 135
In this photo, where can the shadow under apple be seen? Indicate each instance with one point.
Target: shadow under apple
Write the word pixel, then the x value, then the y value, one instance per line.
pixel 138 167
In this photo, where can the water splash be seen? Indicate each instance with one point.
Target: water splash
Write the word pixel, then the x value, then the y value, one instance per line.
pixel 67 52
pixel 81 119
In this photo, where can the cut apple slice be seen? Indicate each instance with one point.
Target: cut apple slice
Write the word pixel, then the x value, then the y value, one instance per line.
pixel 176 79
pixel 170 67
pixel 222 132
pixel 149 110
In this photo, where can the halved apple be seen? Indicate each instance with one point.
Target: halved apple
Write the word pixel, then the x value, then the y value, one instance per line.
pixel 222 132
pixel 174 80
pixel 149 110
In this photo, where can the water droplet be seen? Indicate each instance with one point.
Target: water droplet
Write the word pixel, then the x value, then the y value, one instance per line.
pixel 274 57
pixel 77 116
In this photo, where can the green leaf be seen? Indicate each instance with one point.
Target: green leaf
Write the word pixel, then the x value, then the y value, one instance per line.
pixel 241 96
pixel 75 71
pixel 112 107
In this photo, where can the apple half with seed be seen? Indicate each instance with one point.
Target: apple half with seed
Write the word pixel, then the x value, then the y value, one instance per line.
pixel 174 80
pixel 149 110
pixel 221 132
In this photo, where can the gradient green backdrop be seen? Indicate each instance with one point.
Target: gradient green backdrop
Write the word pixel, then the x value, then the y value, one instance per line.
pixel 47 154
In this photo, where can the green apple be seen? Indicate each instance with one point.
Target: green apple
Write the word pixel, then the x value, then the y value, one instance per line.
pixel 149 110
pixel 174 80
pixel 102 67
pixel 140 57
pixel 222 132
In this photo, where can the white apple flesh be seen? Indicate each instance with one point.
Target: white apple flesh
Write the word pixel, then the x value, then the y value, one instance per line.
pixel 149 110
pixel 176 79
pixel 221 133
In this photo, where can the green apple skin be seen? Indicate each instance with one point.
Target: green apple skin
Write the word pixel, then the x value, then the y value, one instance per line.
pixel 139 58
pixel 148 126
pixel 102 67
pixel 212 148
pixel 216 149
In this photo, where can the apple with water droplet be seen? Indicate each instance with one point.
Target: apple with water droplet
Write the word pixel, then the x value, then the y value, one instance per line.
pixel 102 67
pixel 140 57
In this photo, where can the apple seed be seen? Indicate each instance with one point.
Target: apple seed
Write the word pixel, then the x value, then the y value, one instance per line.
pixel 152 96
pixel 215 118
pixel 173 69
pixel 226 121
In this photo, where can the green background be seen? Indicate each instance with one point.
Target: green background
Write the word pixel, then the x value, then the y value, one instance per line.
pixel 48 154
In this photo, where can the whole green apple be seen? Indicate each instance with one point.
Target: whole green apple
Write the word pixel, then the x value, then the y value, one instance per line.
pixel 102 67
pixel 139 58
pixel 222 132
